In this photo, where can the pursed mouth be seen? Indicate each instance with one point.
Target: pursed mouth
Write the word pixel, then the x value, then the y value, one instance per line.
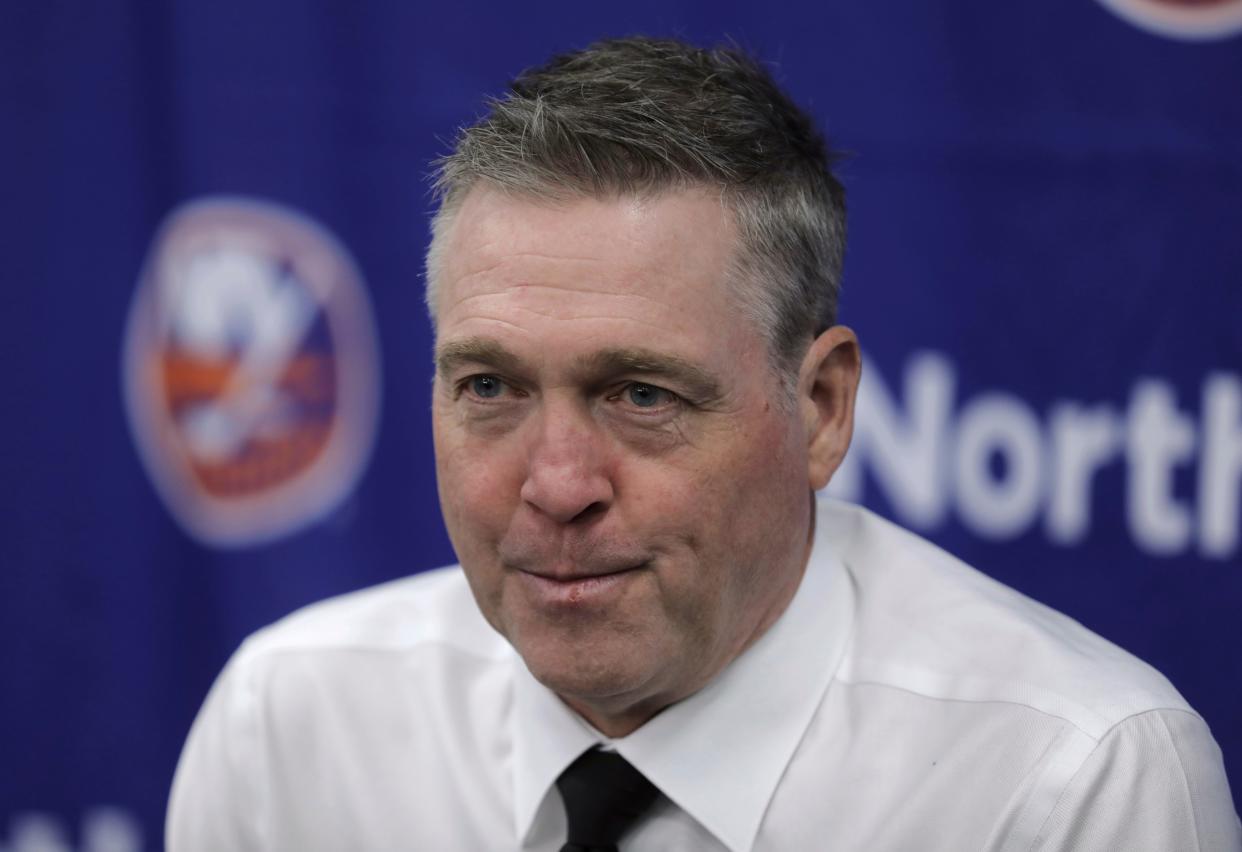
pixel 576 576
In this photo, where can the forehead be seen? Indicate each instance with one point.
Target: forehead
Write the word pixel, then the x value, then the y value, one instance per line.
pixel 669 253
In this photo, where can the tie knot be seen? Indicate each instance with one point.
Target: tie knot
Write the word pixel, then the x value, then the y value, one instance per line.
pixel 604 795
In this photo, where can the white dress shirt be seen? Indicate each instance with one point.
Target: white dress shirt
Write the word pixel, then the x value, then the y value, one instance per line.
pixel 902 702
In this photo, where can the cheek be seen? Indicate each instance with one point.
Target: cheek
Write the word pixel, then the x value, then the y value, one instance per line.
pixel 478 482
pixel 477 510
pixel 702 506
pixel 746 503
pixel 760 465
pixel 720 478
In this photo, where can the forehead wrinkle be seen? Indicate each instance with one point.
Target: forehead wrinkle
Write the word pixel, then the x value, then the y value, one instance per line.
pixel 497 280
pixel 560 302
pixel 498 261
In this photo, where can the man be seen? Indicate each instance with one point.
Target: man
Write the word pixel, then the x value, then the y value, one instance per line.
pixel 639 387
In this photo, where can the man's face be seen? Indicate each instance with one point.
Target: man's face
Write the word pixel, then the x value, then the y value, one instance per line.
pixel 624 487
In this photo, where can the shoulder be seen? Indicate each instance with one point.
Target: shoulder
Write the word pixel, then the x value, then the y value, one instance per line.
pixel 386 687
pixel 1056 737
pixel 932 625
pixel 424 632
pixel 413 643
pixel 433 609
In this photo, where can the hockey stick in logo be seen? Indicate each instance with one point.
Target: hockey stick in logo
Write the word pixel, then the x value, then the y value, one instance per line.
pixel 226 303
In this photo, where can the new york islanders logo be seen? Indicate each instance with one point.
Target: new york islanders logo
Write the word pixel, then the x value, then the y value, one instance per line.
pixel 251 372
pixel 1183 19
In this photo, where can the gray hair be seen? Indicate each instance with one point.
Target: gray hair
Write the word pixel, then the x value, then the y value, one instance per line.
pixel 638 116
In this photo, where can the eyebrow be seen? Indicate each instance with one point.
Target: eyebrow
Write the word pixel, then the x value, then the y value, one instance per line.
pixel 473 350
pixel 692 379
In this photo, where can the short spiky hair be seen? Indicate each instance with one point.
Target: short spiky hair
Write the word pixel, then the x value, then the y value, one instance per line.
pixel 637 116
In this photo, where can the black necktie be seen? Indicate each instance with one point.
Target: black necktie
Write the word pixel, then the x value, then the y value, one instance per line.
pixel 603 796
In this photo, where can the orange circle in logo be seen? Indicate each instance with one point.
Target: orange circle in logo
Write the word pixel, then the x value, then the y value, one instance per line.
pixel 251 370
pixel 1193 20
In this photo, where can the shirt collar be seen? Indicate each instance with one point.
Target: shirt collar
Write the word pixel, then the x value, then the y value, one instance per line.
pixel 773 687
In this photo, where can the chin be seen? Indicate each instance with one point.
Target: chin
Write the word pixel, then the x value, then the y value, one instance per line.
pixel 589 675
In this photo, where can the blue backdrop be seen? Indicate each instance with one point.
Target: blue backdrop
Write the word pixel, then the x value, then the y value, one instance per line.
pixel 1045 269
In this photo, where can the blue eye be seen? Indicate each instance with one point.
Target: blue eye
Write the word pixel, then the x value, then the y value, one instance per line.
pixel 486 387
pixel 646 396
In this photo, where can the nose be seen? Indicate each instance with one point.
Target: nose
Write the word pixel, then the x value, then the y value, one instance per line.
pixel 566 477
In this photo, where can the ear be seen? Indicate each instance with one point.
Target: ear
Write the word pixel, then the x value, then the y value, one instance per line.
pixel 827 385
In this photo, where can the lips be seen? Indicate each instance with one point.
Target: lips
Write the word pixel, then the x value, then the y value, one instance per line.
pixel 574 574
pixel 575 588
